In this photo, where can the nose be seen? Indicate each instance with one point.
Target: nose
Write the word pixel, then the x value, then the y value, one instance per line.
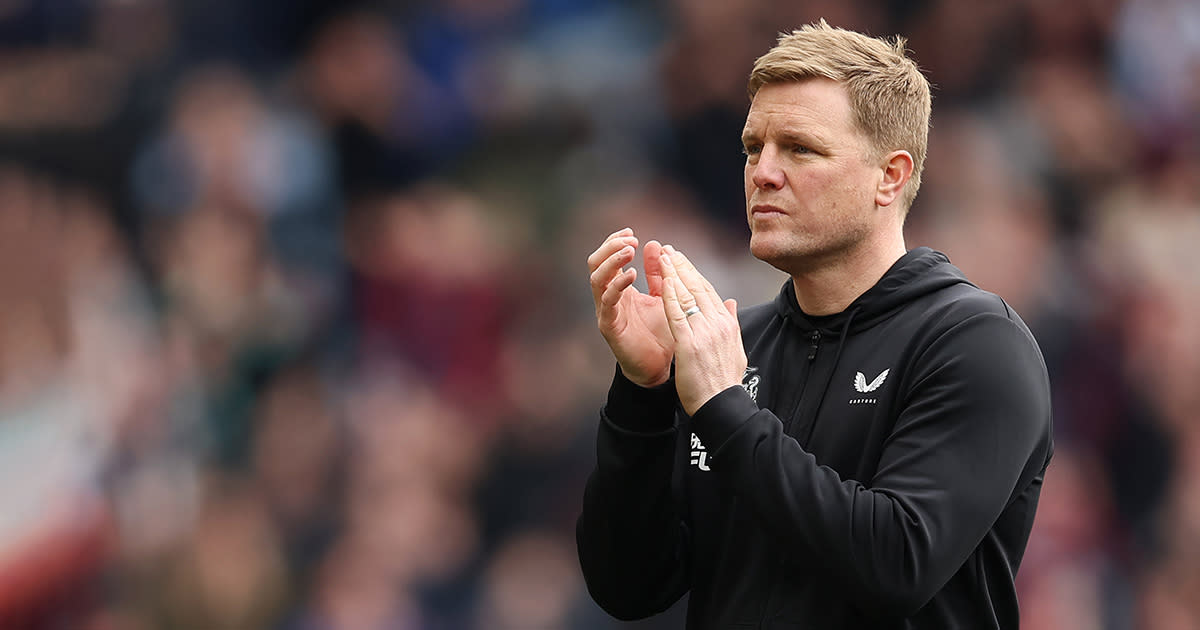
pixel 766 172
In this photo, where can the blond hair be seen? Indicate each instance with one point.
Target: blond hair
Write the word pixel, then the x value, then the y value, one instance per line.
pixel 888 94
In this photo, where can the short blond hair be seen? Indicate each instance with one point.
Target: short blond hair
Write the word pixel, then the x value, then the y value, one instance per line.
pixel 889 95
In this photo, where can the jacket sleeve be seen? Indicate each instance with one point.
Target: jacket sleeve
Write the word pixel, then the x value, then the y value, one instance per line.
pixel 974 424
pixel 632 543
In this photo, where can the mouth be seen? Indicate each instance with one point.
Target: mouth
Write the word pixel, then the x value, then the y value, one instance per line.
pixel 765 210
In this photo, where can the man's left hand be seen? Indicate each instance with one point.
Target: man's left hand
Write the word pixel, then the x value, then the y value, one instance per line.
pixel 709 357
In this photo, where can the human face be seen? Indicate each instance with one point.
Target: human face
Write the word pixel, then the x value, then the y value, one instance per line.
pixel 810 176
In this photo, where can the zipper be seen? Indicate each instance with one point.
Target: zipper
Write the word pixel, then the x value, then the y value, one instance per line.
pixel 814 344
pixel 814 340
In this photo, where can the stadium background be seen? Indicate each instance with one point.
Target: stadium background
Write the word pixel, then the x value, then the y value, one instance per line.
pixel 294 326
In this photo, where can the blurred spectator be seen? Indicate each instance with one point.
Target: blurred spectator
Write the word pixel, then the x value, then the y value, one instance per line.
pixel 433 288
pixel 299 460
pixel 230 574
pixel 382 116
pixel 1157 61
pixel 531 585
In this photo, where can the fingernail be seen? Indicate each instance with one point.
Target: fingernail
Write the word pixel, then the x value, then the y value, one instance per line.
pixel 669 249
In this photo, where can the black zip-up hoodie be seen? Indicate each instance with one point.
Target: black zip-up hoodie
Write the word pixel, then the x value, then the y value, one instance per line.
pixel 878 468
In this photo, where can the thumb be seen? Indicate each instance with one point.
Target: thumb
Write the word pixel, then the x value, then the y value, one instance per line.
pixel 731 306
pixel 652 261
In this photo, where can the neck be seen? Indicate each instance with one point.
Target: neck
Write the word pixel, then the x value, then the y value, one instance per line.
pixel 829 288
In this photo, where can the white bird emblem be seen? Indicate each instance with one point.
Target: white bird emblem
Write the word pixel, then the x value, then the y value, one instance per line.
pixel 860 381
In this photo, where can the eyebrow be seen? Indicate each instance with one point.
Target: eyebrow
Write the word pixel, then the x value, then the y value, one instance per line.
pixel 787 135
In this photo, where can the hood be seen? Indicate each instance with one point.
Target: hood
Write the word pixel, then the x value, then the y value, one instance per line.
pixel 917 273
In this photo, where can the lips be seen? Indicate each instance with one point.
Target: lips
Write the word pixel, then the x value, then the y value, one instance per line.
pixel 763 209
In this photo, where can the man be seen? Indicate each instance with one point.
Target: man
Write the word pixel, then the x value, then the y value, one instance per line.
pixel 867 450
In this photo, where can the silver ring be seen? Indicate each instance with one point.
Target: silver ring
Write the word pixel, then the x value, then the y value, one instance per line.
pixel 691 311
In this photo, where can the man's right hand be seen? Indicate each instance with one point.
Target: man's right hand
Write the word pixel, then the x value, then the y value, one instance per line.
pixel 633 323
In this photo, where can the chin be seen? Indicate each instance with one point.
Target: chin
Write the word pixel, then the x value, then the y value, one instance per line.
pixel 791 257
pixel 773 252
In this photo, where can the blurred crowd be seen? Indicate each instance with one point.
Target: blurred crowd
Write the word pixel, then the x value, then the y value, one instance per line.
pixel 295 331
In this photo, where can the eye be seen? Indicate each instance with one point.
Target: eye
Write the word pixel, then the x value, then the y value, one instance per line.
pixel 752 149
pixel 800 148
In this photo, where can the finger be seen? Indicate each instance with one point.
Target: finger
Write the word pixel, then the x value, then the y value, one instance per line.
pixel 731 306
pixel 612 294
pixel 671 274
pixel 607 248
pixel 621 232
pixel 608 270
pixel 654 275
pixel 614 242
pixel 677 321
pixel 699 288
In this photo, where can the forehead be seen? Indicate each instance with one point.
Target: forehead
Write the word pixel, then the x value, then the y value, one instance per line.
pixel 815 105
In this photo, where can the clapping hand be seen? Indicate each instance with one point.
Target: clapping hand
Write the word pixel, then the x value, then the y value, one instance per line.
pixel 633 323
pixel 709 356
pixel 681 318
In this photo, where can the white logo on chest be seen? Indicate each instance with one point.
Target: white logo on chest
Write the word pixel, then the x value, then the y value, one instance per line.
pixel 863 387
pixel 860 382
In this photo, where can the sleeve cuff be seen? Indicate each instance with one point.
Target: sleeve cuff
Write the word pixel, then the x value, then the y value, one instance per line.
pixel 638 409
pixel 717 420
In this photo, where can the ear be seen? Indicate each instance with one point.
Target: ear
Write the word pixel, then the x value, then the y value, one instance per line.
pixel 897 169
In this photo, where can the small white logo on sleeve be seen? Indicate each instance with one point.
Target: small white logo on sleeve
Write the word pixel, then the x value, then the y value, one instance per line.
pixel 699 454
pixel 863 387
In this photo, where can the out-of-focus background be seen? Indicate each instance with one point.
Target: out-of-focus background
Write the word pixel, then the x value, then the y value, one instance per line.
pixel 294 322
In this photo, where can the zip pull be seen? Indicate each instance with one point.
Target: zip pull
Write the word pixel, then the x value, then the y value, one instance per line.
pixel 815 339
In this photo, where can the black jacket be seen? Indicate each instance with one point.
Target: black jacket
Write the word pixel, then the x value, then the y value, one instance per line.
pixel 878 468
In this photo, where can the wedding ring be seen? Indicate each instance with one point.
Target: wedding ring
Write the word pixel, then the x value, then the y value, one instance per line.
pixel 691 311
